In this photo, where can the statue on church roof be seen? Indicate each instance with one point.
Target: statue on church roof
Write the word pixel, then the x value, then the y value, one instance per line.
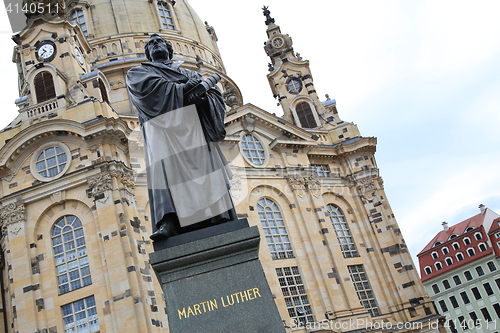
pixel 267 14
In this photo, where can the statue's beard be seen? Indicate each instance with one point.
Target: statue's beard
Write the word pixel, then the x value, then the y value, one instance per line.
pixel 159 54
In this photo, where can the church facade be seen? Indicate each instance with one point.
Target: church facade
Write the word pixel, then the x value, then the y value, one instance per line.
pixel 74 206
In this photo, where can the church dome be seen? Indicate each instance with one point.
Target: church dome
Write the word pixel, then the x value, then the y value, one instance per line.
pixel 118 31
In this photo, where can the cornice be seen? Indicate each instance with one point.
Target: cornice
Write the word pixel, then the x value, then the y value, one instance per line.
pixel 23 140
pixel 343 149
pixel 270 121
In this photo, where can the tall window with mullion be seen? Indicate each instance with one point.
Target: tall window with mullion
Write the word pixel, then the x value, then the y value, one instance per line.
pixel 78 17
pixel 342 231
pixel 363 289
pixel 81 316
pixel 70 252
pixel 165 16
pixel 295 295
pixel 274 229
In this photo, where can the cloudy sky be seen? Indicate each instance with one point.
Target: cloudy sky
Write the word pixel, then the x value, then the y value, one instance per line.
pixel 421 76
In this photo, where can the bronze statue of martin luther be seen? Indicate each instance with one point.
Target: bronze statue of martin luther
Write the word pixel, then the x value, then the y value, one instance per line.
pixel 188 176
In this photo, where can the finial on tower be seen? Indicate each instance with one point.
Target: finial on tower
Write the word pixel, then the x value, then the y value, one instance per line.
pixel 267 14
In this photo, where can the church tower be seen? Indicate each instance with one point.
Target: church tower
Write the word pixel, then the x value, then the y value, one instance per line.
pixel 292 85
pixel 313 187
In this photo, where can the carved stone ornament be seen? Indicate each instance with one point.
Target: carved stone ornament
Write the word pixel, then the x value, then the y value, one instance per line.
pixel 127 179
pixel 380 182
pixel 365 185
pixel 94 148
pixel 314 186
pixel 248 124
pixel 8 178
pixel 298 185
pixel 100 183
pixel 58 196
pixel 230 97
pixel 12 213
pixel 236 187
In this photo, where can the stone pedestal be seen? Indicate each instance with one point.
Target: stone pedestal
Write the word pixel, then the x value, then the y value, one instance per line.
pixel 213 281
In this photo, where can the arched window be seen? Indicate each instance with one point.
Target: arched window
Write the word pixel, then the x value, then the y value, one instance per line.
pixel 445 250
pixel 78 17
pixel 469 229
pixel 435 255
pixel 104 94
pixel 438 265
pixel 70 252
pixel 305 115
pixel 482 247
pixel 253 150
pixel 274 229
pixel 471 252
pixel 467 241
pixel 428 270
pixel 166 18
pixel 456 246
pixel 452 236
pixel 448 261
pixel 44 87
pixel 459 256
pixel 478 236
pixel 342 231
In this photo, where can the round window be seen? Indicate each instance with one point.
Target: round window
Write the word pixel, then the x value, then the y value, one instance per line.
pixel 294 86
pixel 253 150
pixel 50 161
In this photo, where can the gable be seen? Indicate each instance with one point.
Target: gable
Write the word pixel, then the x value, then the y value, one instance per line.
pixel 250 118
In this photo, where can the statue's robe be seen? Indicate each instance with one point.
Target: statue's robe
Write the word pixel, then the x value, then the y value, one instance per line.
pixel 186 175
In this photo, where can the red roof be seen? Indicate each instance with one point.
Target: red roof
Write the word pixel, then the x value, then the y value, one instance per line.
pixel 458 229
pixel 495 226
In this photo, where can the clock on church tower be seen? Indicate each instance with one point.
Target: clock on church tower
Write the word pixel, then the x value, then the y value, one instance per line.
pixel 290 79
pixel 52 63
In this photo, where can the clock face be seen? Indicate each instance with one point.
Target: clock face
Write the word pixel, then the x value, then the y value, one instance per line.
pixel 46 51
pixel 79 55
pixel 277 42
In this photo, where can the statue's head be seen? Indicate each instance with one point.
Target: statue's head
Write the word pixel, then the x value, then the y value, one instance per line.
pixel 157 47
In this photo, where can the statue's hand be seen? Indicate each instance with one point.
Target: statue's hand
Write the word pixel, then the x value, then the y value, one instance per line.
pixel 197 98
pixel 190 84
